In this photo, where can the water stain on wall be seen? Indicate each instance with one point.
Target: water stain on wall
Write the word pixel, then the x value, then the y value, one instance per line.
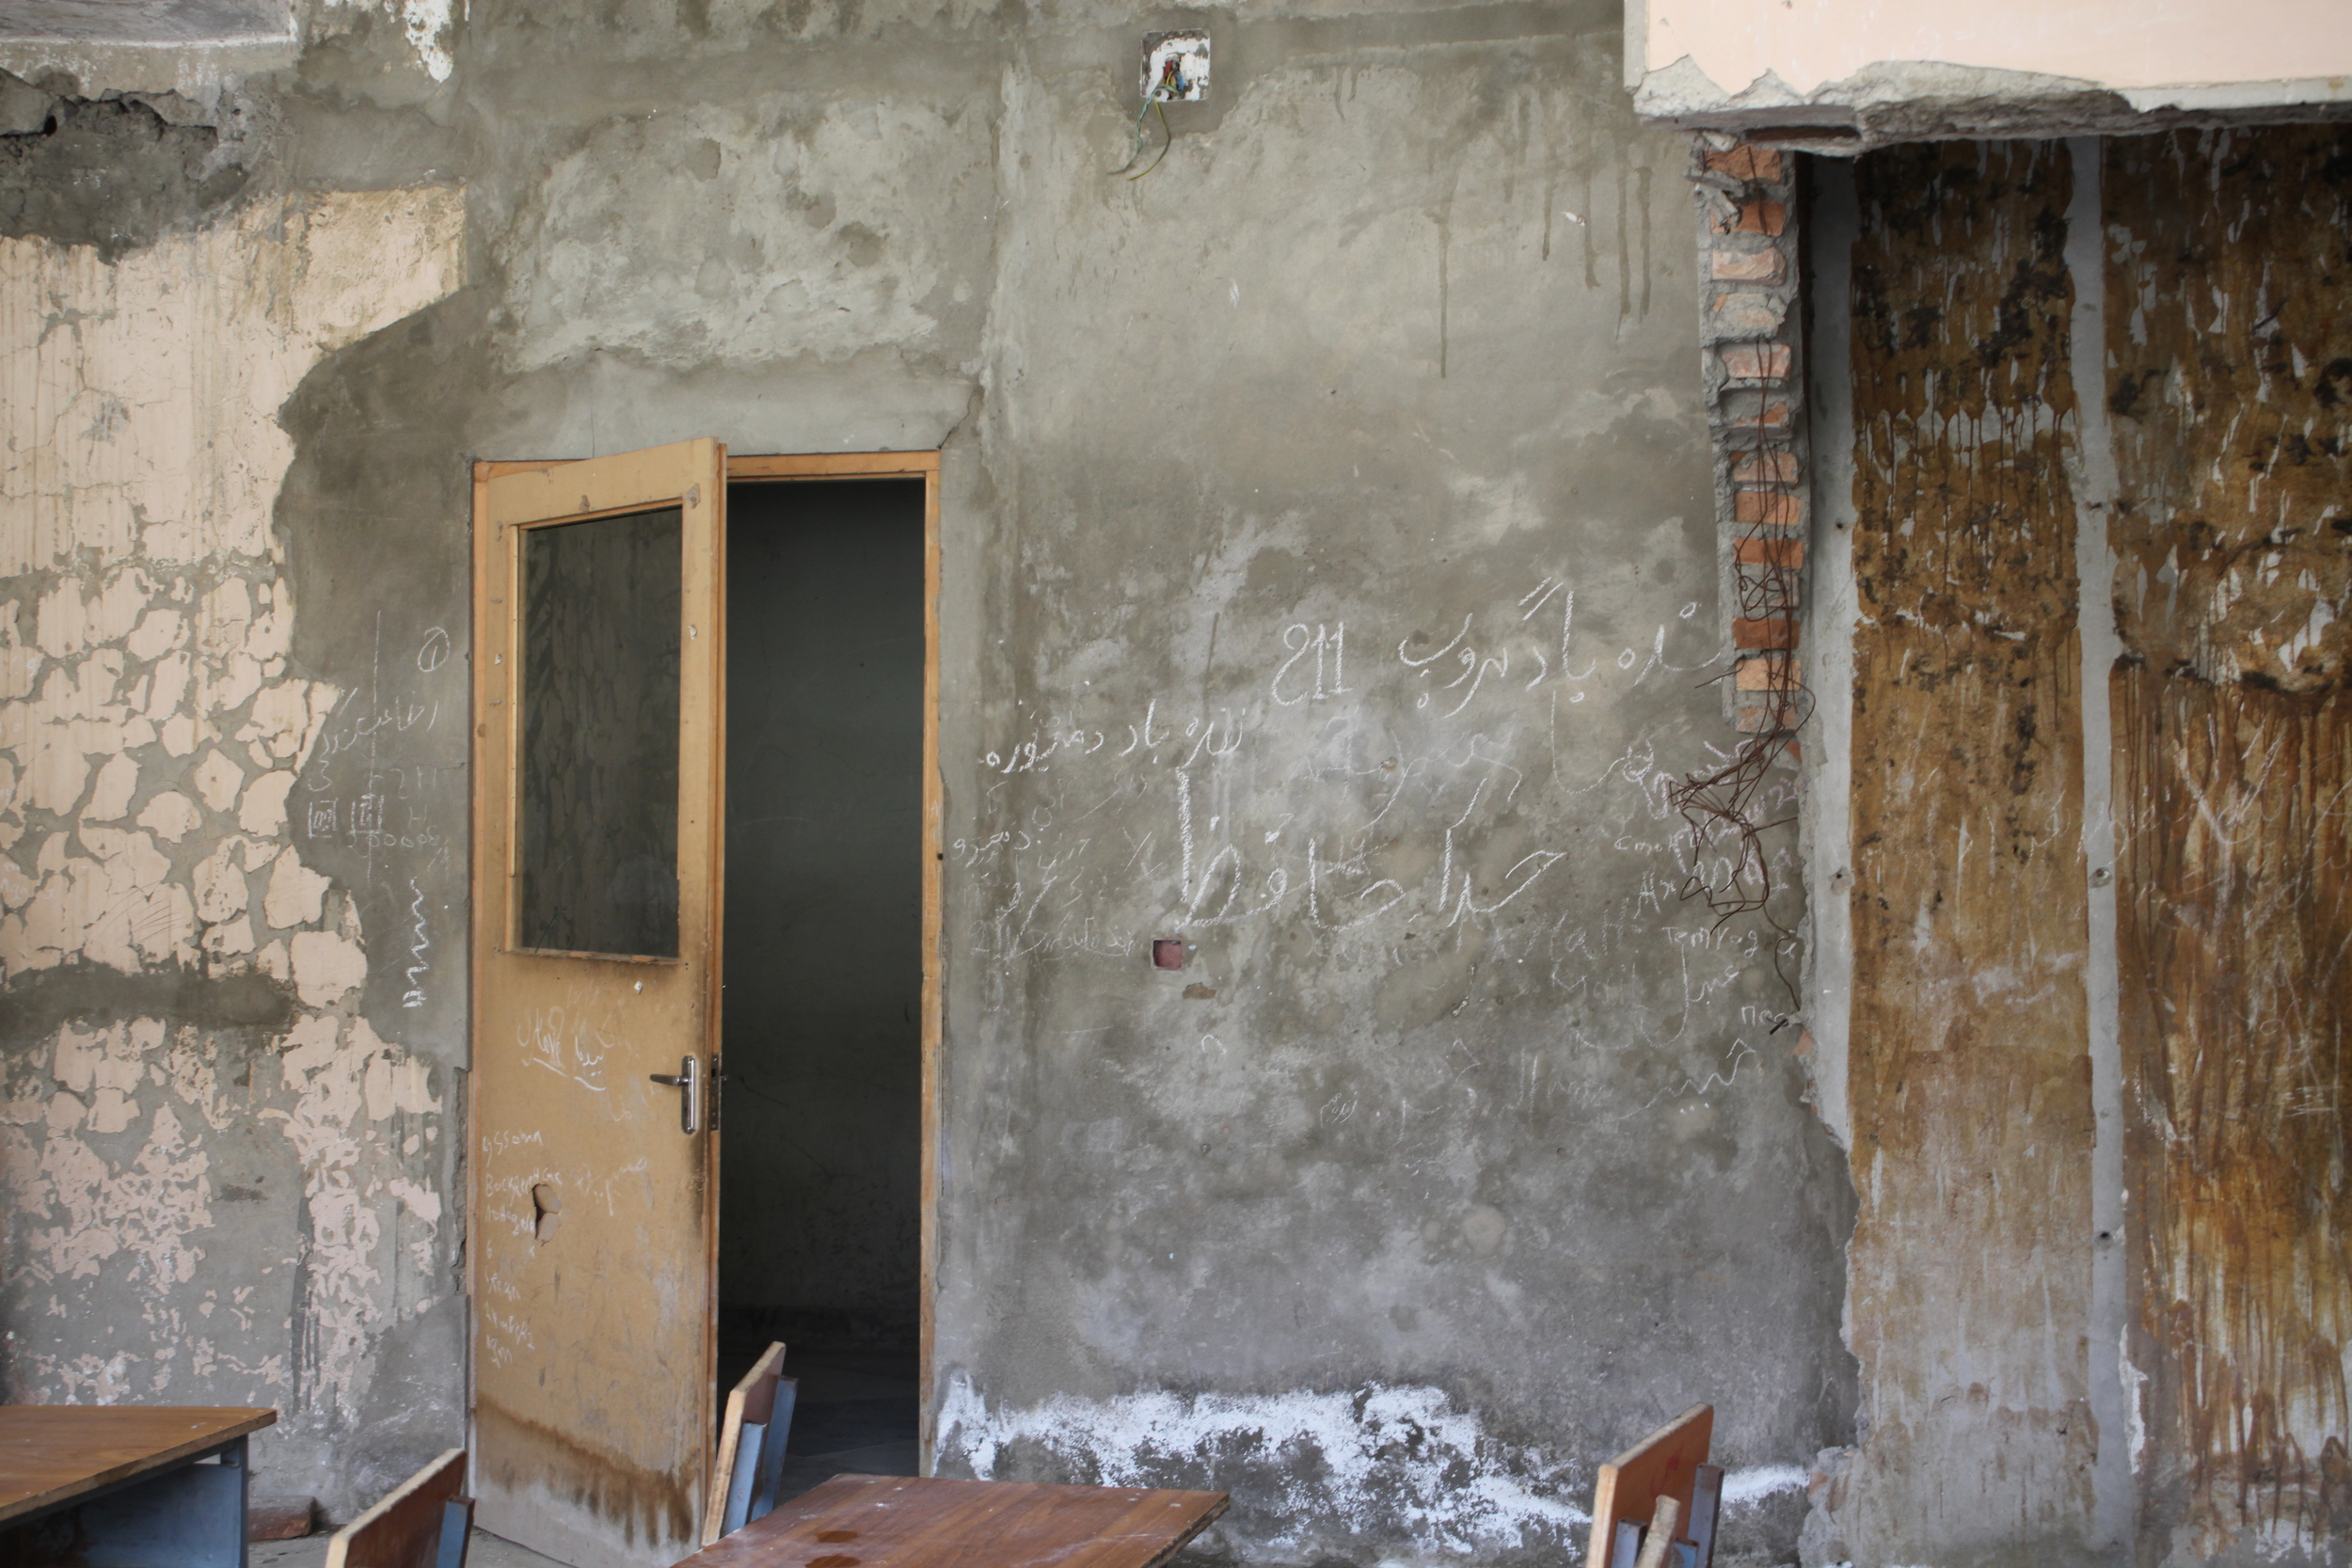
pixel 1970 1086
pixel 2230 339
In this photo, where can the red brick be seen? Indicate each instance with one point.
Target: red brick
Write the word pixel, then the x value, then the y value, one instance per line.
pixel 1770 419
pixel 1772 673
pixel 277 1518
pixel 1770 632
pixel 1747 162
pixel 1779 509
pixel 1747 266
pixel 1767 467
pixel 1748 313
pixel 1755 217
pixel 1755 361
pixel 1766 593
pixel 1757 550
pixel 1763 717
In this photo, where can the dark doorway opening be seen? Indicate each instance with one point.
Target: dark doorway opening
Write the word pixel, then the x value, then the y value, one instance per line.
pixel 821 1021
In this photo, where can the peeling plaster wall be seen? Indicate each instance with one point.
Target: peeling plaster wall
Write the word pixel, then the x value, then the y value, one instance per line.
pixel 1896 69
pixel 1330 574
pixel 225 1186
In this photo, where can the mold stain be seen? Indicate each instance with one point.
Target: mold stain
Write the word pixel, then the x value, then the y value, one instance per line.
pixel 645 1505
pixel 1314 1465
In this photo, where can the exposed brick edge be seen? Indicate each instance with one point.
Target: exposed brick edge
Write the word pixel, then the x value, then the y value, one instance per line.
pixel 1750 333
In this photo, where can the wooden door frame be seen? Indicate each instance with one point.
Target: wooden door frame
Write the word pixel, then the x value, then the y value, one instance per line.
pixel 787 467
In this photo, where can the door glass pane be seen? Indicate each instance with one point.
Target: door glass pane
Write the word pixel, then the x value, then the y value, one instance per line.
pixel 599 766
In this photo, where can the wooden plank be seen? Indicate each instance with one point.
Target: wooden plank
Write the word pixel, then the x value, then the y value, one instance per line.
pixel 1663 1464
pixel 1967 1077
pixel 821 465
pixel 50 1453
pixel 835 464
pixel 1658 1543
pixel 713 604
pixel 2234 916
pixel 933 997
pixel 912 1522
pixel 751 1401
pixel 2228 338
pixel 404 1530
pixel 485 880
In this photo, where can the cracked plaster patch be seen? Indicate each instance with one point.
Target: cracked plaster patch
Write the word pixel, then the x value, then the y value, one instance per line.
pixel 784 241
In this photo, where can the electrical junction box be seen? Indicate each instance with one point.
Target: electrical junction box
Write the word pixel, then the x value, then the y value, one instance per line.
pixel 1175 68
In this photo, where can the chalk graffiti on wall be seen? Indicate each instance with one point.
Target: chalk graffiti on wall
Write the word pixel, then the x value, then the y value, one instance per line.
pixel 362 790
pixel 1299 801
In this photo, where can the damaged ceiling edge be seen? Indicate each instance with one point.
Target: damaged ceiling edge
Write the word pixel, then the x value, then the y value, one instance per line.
pixel 1897 100
pixel 195 72
pixel 192 48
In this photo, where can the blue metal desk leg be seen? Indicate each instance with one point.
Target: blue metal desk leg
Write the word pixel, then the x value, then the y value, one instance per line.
pixel 192 1517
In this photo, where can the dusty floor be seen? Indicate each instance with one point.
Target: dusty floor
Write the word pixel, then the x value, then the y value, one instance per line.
pixel 855 1413
pixel 486 1551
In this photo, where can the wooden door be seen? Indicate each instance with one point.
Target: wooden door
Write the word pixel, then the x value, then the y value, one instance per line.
pixel 597 872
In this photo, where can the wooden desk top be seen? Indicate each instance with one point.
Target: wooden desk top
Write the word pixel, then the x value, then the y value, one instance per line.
pixel 50 1453
pixel 902 1522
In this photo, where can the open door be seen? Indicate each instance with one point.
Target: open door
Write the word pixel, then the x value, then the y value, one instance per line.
pixel 596 871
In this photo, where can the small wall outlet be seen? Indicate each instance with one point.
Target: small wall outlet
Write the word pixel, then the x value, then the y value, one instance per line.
pixel 1175 66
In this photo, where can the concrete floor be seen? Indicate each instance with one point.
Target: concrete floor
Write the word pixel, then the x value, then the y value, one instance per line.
pixel 854 1412
pixel 484 1551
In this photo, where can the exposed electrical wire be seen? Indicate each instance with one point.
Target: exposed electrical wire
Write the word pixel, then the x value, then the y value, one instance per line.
pixel 1722 805
pixel 1168 87
pixel 1168 140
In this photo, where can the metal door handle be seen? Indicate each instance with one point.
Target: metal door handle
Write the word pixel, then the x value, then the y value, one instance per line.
pixel 686 1080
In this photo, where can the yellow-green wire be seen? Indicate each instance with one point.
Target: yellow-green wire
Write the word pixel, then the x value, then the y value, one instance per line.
pixel 1161 105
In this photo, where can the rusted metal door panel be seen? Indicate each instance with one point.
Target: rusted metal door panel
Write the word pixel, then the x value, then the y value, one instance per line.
pixel 593 1209
pixel 1969 1088
pixel 2228 338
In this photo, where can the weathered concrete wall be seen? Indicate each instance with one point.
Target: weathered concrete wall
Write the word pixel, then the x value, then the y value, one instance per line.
pixel 1330 581
pixel 1347 616
pixel 2098 1280
pixel 1869 72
